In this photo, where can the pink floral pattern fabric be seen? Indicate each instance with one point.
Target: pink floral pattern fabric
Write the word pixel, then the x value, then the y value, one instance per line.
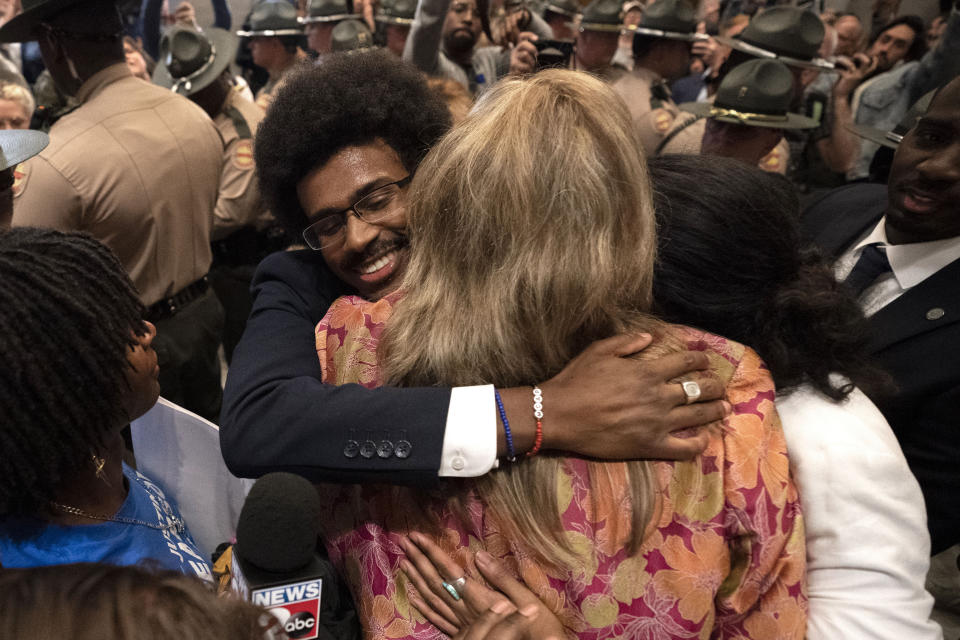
pixel 725 559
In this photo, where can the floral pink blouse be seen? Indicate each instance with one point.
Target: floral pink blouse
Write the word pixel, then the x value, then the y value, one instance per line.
pixel 725 559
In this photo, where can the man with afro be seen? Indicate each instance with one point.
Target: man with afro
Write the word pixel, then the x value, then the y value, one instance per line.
pixel 334 156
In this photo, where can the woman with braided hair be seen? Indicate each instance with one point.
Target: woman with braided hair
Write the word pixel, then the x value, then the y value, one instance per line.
pixel 78 366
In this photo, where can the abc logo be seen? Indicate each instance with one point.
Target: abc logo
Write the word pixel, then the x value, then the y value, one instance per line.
pixel 299 625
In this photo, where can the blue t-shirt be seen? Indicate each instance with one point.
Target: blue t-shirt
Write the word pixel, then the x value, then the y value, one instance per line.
pixel 120 543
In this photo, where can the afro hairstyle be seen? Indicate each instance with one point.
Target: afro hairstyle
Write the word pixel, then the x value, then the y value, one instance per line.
pixel 346 100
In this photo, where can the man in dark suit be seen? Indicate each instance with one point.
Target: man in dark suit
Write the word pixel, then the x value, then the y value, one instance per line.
pixel 899 247
pixel 334 166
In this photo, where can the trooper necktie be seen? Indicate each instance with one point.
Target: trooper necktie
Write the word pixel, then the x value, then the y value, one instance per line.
pixel 872 264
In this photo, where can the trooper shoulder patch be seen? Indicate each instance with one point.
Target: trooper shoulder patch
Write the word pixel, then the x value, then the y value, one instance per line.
pixel 19 179
pixel 243 155
pixel 662 120
pixel 772 162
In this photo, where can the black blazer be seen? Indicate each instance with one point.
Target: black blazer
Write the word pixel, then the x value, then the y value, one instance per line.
pixel 278 416
pixel 917 339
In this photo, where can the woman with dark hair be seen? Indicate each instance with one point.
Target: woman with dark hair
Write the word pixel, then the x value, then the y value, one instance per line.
pixel 730 262
pixel 78 366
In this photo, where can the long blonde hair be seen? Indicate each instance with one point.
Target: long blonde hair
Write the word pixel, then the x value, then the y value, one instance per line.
pixel 533 234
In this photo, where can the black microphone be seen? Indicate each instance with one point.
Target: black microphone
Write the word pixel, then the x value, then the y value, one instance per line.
pixel 275 564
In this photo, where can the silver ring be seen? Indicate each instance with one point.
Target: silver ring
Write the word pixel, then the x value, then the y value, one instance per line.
pixel 692 390
pixel 453 586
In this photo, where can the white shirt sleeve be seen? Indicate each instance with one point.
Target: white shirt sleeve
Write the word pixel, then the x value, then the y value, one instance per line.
pixel 470 439
pixel 868 550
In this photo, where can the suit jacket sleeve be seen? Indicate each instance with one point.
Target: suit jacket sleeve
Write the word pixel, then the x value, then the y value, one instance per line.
pixel 278 416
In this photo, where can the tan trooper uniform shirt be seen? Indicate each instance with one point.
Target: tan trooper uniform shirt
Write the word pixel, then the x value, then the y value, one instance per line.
pixel 650 123
pixel 238 204
pixel 136 166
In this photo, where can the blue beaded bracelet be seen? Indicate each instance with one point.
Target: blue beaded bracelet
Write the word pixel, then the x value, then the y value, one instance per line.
pixel 511 454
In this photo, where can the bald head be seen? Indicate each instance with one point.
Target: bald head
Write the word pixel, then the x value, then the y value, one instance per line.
pixel 849 35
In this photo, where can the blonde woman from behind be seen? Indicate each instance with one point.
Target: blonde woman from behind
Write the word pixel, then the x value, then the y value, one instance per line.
pixel 523 251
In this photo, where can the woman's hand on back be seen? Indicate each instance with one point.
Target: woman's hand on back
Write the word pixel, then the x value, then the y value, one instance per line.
pixel 511 612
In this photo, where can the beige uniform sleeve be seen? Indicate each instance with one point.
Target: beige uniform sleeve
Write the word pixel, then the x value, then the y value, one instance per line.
pixel 45 198
pixel 689 139
pixel 238 202
pixel 652 126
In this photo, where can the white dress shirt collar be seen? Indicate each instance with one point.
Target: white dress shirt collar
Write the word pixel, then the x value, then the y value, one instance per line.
pixel 914 262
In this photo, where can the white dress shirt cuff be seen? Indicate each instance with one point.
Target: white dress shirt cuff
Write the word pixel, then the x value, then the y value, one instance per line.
pixel 470 438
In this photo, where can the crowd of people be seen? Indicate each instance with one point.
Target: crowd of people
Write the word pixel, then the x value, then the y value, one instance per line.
pixel 584 320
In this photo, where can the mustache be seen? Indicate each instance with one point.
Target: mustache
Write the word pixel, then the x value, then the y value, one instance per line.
pixel 378 247
pixel 936 188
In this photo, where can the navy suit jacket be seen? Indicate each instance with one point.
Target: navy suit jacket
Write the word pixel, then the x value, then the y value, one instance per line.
pixel 917 339
pixel 278 416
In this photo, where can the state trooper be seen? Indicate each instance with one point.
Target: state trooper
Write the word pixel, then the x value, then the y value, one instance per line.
pixel 394 20
pixel 561 15
pixel 197 65
pixel 137 167
pixel 351 36
pixel 322 16
pixel 750 111
pixel 788 34
pixel 597 37
pixel 661 53
pixel 275 37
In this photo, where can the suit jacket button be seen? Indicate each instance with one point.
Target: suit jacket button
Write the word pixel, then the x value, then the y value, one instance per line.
pixel 351 449
pixel 384 448
pixel 368 449
pixel 402 449
pixel 936 313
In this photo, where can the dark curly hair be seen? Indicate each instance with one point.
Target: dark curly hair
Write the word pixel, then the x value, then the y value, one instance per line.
pixel 349 99
pixel 68 316
pixel 730 262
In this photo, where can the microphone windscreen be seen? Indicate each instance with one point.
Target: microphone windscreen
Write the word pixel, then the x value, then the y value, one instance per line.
pixel 279 523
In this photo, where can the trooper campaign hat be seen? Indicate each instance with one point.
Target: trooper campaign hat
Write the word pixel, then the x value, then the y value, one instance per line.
pixel 789 34
pixel 891 139
pixel 190 60
pixel 397 12
pixel 17 145
pixel 351 35
pixel 601 15
pixel 757 93
pixel 568 8
pixel 328 11
pixel 23 27
pixel 273 18
pixel 673 19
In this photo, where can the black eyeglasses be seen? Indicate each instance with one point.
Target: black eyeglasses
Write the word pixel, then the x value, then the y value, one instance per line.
pixel 372 208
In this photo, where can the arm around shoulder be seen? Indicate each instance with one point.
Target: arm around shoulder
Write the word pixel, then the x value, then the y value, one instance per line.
pixel 278 415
